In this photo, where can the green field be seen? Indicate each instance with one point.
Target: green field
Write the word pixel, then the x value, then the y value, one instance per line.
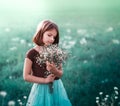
pixel 90 31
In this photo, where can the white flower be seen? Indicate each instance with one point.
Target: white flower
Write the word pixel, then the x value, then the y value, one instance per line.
pixel 19 100
pixel 107 96
pixel 10 77
pixel 105 99
pixel 110 29
pixel 100 93
pixel 97 101
pixel 3 93
pixel 81 31
pixel 7 60
pixel 7 29
pixel 116 92
pixel 25 97
pixel 115 41
pixel 11 103
pixel 116 97
pixel 13 48
pixel 29 44
pixel 22 41
pixel 16 39
pixel 83 41
pixel 97 97
pixel 85 61
pixel 115 88
pixel 68 30
pixel 20 103
pixel 51 53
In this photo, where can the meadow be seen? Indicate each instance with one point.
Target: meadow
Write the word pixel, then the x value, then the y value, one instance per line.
pixel 93 66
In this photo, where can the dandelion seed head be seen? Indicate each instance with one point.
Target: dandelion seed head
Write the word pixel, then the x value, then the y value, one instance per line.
pixel 3 93
pixel 10 77
pixel 29 44
pixel 19 100
pixel 25 97
pixel 22 41
pixel 13 48
pixel 115 41
pixel 107 96
pixel 115 88
pixel 20 103
pixel 15 39
pixel 83 41
pixel 105 99
pixel 68 30
pixel 97 101
pixel 100 93
pixel 116 92
pixel 109 29
pixel 116 97
pixel 11 103
pixel 7 29
pixel 97 98
pixel 81 31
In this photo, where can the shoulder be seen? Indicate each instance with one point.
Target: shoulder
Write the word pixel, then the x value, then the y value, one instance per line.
pixel 31 53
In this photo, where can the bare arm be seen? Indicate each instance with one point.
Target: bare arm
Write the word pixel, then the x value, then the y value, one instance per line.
pixel 27 70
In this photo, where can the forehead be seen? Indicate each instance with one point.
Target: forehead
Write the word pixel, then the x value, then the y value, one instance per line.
pixel 52 32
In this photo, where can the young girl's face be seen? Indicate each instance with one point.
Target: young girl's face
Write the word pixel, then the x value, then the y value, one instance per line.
pixel 49 36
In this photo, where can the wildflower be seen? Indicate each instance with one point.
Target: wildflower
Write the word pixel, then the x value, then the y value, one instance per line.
pixel 116 97
pixel 20 103
pixel 107 96
pixel 115 88
pixel 115 41
pixel 97 101
pixel 83 41
pixel 110 29
pixel 116 92
pixel 68 30
pixel 29 44
pixel 100 93
pixel 105 99
pixel 22 41
pixel 97 97
pixel 19 100
pixel 25 97
pixel 11 103
pixel 7 29
pixel 15 39
pixel 3 93
pixel 52 53
pixel 13 48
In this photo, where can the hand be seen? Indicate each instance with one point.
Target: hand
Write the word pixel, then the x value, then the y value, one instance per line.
pixel 50 66
pixel 50 78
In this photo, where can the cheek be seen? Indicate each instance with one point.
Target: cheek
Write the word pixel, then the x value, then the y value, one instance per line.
pixel 44 38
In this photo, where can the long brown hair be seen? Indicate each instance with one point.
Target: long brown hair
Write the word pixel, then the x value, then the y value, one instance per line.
pixel 42 28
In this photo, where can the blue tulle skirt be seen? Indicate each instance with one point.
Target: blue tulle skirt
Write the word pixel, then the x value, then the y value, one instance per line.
pixel 40 95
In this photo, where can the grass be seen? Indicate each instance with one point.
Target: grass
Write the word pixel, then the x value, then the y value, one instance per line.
pixel 94 43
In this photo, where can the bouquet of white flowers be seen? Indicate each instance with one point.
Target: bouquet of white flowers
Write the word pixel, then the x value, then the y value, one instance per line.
pixel 52 53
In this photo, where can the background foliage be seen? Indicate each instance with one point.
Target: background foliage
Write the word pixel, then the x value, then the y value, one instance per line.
pixel 90 31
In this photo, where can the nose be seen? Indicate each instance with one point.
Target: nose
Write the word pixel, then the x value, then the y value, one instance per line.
pixel 52 39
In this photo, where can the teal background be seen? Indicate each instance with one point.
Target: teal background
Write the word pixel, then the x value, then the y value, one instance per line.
pixel 89 30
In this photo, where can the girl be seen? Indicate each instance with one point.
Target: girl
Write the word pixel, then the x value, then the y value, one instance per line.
pixel 47 33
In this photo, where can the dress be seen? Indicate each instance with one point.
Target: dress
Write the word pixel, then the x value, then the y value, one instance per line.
pixel 40 94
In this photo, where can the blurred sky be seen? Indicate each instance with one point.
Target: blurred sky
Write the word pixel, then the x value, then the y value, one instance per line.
pixel 11 10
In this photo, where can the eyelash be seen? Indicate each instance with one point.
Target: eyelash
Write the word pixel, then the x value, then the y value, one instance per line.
pixel 50 36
